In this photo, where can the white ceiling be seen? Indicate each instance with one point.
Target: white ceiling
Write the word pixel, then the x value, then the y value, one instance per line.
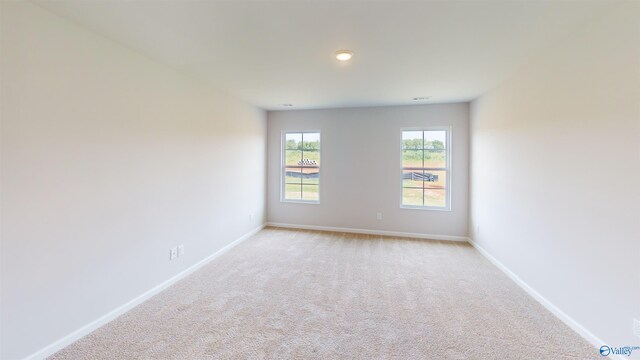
pixel 270 53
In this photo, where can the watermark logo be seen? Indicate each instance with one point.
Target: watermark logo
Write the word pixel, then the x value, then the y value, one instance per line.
pixel 606 350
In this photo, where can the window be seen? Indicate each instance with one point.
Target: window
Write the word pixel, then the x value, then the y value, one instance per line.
pixel 426 180
pixel 301 167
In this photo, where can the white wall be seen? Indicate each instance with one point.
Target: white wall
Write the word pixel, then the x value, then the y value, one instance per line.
pixel 108 160
pixel 556 173
pixel 367 141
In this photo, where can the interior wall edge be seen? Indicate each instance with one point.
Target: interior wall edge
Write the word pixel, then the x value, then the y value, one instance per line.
pixel 122 309
pixel 569 321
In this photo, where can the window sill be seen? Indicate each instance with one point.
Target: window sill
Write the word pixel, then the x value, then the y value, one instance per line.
pixel 431 208
pixel 312 202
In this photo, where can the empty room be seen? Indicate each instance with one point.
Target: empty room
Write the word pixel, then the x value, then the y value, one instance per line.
pixel 200 179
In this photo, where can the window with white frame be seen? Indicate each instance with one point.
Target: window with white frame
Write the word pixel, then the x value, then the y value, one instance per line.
pixel 301 167
pixel 426 159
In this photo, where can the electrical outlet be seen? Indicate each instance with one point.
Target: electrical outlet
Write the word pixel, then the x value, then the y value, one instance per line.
pixel 379 216
pixel 173 253
pixel 636 327
pixel 251 216
pixel 180 250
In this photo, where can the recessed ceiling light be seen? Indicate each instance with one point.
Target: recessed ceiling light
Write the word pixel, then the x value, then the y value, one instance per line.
pixel 421 98
pixel 287 105
pixel 344 55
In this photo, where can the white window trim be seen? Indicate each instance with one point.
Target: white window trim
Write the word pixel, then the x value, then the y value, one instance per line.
pixel 283 141
pixel 449 150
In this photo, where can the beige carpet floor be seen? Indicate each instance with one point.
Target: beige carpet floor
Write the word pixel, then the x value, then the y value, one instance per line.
pixel 292 294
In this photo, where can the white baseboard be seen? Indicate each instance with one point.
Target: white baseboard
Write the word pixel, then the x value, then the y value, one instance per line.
pixel 370 232
pixel 574 325
pixel 85 330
